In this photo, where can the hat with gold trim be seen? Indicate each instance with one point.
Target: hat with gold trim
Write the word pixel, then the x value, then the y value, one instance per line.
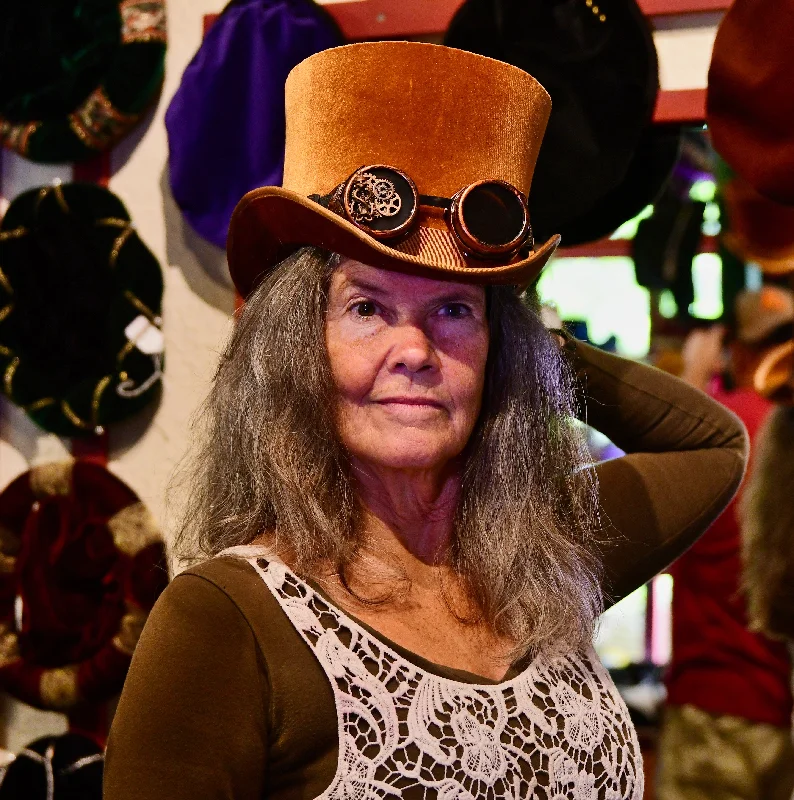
pixel 81 565
pixel 80 303
pixel 77 74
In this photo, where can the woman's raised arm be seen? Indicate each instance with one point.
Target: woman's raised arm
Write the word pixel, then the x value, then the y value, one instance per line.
pixel 685 457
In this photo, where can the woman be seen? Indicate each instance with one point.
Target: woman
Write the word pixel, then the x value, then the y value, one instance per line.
pixel 411 550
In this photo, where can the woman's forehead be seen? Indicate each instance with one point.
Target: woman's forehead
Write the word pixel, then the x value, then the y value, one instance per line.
pixel 352 275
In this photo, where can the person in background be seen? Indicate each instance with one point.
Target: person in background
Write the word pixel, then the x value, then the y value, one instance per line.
pixel 726 728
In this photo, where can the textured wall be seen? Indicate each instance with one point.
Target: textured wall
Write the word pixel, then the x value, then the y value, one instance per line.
pixel 198 301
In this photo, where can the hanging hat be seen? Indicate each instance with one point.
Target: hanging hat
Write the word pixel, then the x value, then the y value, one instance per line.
pixel 395 157
pixel 226 121
pixel 81 564
pixel 66 767
pixel 597 60
pixel 758 229
pixel 774 377
pixel 77 76
pixel 80 294
pixel 748 102
pixel 761 315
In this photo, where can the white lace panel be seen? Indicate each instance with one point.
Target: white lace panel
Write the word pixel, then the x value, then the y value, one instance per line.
pixel 559 730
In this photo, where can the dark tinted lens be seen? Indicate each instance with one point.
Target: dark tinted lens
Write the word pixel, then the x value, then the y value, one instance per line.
pixel 493 214
pixel 380 199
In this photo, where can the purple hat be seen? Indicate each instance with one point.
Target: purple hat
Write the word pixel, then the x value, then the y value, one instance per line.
pixel 226 124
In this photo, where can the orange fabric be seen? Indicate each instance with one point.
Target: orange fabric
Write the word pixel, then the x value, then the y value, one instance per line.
pixel 445 117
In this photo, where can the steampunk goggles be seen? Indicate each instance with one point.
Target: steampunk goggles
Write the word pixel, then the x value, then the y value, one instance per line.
pixel 489 219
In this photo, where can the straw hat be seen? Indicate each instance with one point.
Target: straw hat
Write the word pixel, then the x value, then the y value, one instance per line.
pixel 445 118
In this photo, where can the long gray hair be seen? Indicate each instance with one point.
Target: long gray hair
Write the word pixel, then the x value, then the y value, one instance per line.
pixel 268 461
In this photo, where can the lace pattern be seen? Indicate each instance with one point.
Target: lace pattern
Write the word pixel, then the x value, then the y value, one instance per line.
pixel 557 731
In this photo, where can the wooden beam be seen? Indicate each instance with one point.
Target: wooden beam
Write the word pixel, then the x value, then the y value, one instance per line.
pixel 662 8
pixel 681 105
pixel 621 247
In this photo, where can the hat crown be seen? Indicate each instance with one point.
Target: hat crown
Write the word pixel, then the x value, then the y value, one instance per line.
pixel 446 117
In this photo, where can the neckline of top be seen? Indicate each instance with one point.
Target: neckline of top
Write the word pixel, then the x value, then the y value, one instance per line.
pixel 516 673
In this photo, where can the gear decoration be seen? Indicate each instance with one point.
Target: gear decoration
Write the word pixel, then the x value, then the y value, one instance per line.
pixel 107 60
pixel 373 198
pixel 81 344
pixel 81 564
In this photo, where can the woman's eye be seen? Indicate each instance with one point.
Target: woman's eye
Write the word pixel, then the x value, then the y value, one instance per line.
pixel 455 310
pixel 365 308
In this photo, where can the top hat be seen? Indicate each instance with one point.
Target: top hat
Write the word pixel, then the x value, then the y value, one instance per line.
pixel 444 118
pixel 77 76
pixel 232 94
pixel 748 101
pixel 597 60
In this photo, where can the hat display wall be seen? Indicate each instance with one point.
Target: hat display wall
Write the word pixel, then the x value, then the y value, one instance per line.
pixel 67 767
pixel 81 564
pixel 77 74
pixel 80 305
pixel 598 62
pixel 748 102
pixel 226 121
pixel 425 110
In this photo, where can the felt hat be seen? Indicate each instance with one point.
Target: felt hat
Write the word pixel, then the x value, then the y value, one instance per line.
pixel 81 564
pixel 774 377
pixel 748 102
pixel 80 295
pixel 66 767
pixel 226 121
pixel 427 110
pixel 761 314
pixel 77 74
pixel 597 60
pixel 758 229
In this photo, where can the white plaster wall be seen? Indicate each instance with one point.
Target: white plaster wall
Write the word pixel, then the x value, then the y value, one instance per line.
pixel 198 301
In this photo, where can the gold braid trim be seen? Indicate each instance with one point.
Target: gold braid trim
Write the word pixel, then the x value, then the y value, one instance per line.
pixel 134 528
pixel 121 240
pixel 130 629
pixel 8 377
pixel 58 688
pixel 14 233
pixel 123 353
pixel 52 480
pixel 59 196
pixel 74 419
pixel 143 308
pixel 5 283
pixel 37 405
pixel 5 311
pixel 9 646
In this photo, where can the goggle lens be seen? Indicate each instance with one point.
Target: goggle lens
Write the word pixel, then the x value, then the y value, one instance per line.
pixel 493 214
pixel 381 199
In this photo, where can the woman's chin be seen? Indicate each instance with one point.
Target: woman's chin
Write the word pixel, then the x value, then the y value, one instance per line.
pixel 409 454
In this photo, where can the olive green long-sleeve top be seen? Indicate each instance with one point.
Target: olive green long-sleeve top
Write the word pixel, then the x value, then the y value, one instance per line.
pixel 225 701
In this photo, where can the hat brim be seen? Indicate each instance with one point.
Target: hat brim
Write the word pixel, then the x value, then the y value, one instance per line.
pixel 773 377
pixel 270 223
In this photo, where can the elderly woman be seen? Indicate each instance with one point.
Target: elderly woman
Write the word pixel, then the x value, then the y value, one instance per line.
pixel 409 548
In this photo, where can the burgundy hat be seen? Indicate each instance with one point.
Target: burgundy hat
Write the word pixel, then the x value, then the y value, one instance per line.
pixel 749 101
pixel 81 564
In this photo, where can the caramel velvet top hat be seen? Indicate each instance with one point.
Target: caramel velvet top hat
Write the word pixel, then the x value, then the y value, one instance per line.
pixel 445 119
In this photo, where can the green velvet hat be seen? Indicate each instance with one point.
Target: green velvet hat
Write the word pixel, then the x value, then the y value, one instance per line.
pixel 77 74
pixel 80 304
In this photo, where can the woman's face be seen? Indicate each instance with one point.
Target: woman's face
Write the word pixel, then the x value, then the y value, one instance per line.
pixel 408 358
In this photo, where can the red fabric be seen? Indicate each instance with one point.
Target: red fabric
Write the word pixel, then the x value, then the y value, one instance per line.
pixel 718 665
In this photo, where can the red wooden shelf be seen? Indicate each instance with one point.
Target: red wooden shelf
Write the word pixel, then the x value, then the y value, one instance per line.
pixel 620 247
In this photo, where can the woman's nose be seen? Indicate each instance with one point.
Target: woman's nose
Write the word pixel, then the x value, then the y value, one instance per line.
pixel 412 349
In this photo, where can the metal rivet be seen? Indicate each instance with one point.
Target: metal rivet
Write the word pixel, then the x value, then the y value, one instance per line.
pixel 603 18
pixel 595 9
pixel 380 18
pixel 588 3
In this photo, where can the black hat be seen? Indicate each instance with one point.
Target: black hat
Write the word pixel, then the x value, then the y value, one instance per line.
pixel 67 767
pixel 597 60
pixel 77 75
pixel 80 300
